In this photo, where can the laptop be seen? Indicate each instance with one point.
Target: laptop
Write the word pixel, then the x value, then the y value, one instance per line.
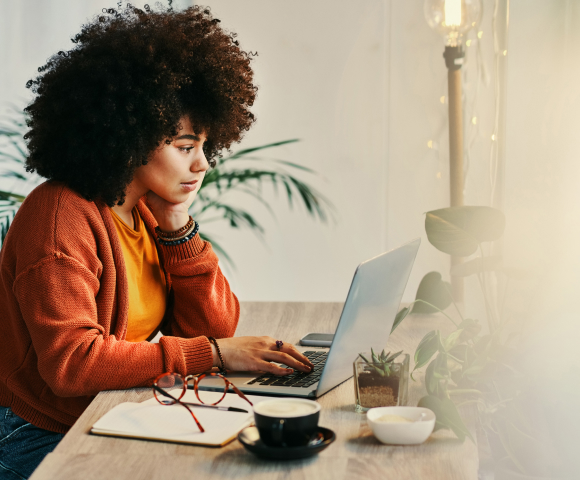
pixel 366 321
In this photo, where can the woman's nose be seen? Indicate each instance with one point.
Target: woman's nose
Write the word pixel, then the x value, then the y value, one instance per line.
pixel 200 163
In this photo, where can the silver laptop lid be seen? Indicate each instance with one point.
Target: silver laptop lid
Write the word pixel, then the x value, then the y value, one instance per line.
pixel 369 311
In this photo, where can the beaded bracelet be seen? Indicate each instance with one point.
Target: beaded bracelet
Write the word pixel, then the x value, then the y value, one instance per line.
pixel 166 238
pixel 217 347
pixel 177 233
pixel 167 243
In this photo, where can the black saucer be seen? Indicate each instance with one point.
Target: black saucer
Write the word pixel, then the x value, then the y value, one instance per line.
pixel 250 438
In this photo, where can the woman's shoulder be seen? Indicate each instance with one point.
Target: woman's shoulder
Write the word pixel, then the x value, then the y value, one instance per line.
pixel 52 196
pixel 55 219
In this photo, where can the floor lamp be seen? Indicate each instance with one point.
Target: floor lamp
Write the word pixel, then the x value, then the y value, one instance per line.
pixel 453 19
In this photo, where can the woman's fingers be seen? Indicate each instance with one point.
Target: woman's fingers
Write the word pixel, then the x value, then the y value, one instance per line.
pixel 291 350
pixel 286 359
pixel 268 367
pixel 254 353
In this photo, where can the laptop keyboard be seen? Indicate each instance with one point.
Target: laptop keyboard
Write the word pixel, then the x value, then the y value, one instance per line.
pixel 296 379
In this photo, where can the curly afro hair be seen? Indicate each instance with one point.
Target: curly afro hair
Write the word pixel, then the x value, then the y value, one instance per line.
pixel 102 107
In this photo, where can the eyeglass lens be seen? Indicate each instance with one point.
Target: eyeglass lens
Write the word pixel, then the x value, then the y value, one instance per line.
pixel 171 384
pixel 211 389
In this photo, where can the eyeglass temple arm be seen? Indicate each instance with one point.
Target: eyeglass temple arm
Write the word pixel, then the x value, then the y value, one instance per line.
pixel 165 394
pixel 168 395
pixel 230 384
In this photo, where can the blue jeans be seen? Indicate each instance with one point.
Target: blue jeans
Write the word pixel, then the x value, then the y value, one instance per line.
pixel 22 445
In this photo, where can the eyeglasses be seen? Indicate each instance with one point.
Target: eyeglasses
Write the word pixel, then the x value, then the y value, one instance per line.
pixel 169 389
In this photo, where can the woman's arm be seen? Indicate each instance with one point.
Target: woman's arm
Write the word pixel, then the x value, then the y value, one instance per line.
pixel 57 299
pixel 203 303
pixel 201 299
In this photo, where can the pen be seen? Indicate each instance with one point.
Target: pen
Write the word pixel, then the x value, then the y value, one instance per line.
pixel 217 407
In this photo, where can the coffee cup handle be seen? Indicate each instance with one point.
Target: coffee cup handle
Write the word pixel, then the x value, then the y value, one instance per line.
pixel 277 429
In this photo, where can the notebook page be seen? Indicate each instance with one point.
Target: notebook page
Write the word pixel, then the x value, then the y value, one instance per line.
pixel 151 420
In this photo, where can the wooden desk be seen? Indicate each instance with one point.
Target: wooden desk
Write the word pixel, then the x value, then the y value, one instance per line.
pixel 355 453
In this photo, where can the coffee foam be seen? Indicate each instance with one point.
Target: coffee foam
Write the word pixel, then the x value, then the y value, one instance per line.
pixel 286 408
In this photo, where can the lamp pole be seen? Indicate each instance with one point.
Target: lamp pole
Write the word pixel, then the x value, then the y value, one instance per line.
pixel 453 19
pixel 454 56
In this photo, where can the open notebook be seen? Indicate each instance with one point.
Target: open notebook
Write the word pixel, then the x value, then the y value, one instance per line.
pixel 173 423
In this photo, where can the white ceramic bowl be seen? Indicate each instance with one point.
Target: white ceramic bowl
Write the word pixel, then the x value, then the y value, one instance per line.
pixel 402 433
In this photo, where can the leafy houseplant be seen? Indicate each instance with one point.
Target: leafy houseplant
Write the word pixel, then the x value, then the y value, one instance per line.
pixel 471 366
pixel 241 172
pixel 380 381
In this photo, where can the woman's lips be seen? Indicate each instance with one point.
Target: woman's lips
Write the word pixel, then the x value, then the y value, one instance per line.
pixel 189 186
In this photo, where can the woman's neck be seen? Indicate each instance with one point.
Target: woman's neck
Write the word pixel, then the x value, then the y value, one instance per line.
pixel 125 211
pixel 124 214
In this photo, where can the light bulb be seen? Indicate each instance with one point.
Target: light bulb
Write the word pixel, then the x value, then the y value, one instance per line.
pixel 452 9
pixel 452 18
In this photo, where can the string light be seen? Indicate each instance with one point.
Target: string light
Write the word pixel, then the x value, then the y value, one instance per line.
pixel 504 53
pixel 430 144
pixel 438 175
pixel 442 99
pixel 493 137
pixel 468 43
pixel 480 34
pixel 474 120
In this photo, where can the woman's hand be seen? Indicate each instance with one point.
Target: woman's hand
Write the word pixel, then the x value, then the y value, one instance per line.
pixel 170 216
pixel 256 353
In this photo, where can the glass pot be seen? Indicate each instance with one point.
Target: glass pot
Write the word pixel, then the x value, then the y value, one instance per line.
pixel 373 387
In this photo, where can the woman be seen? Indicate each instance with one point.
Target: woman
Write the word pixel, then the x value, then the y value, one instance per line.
pixel 103 256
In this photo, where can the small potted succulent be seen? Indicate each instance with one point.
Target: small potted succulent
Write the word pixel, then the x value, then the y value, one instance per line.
pixel 380 381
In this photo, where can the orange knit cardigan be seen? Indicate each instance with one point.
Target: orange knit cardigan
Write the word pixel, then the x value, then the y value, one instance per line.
pixel 64 303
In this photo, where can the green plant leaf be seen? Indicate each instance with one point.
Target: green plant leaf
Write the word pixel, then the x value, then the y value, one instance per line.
pixel 400 317
pixel 431 383
pixel 451 340
pixel 433 403
pixel 433 290
pixel 454 420
pixel 364 358
pixel 245 151
pixel 426 349
pixel 459 230
pixel 477 265
pixel 447 416
pixel 458 351
pixel 476 367
pixel 470 329
pixel 393 357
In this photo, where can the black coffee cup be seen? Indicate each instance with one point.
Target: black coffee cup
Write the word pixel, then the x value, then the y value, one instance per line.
pixel 287 422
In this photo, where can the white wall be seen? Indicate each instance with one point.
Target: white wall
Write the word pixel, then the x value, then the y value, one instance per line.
pixel 323 79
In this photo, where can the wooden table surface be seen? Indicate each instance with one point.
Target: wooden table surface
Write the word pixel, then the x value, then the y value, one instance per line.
pixel 354 454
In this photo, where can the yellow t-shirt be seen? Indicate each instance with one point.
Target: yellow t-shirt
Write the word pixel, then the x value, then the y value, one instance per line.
pixel 145 278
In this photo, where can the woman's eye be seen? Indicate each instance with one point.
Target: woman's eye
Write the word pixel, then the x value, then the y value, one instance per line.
pixel 185 149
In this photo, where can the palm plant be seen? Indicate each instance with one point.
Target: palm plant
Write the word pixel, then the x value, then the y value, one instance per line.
pixel 236 173
pixel 240 172
pixel 12 156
